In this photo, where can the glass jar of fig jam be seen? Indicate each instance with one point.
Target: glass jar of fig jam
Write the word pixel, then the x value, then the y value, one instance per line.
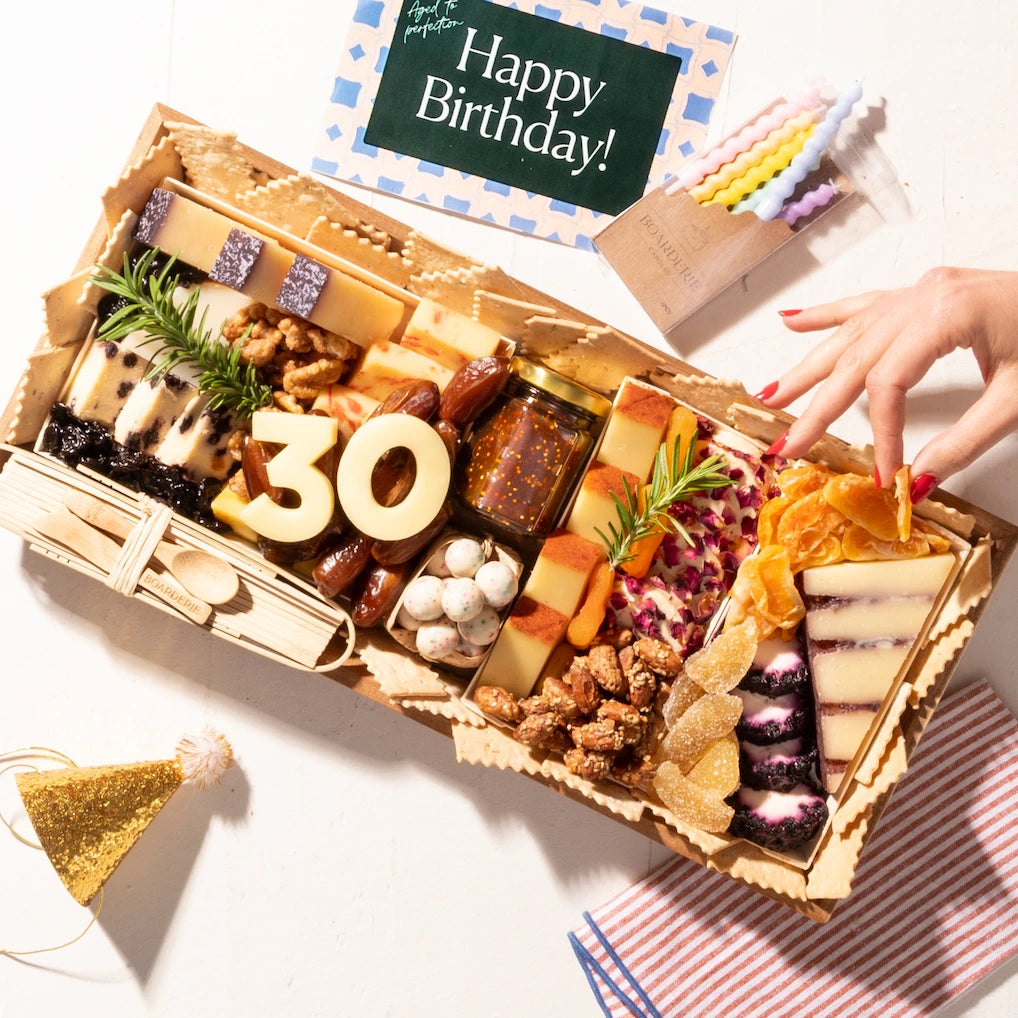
pixel 524 454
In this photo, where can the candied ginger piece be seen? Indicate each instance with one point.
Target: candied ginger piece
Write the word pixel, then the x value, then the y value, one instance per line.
pixel 690 802
pixel 721 664
pixel 681 697
pixel 705 720
pixel 718 769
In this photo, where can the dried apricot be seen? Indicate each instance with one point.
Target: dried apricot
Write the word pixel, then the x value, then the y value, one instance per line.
pixel 587 621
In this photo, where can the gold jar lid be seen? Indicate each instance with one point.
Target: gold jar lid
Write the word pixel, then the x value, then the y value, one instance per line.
pixel 561 387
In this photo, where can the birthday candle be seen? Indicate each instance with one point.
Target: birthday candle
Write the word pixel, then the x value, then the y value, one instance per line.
pixel 713 160
pixel 764 170
pixel 707 189
pixel 779 189
pixel 809 202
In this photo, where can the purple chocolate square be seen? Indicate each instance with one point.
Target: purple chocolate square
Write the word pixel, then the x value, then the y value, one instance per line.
pixel 236 259
pixel 302 286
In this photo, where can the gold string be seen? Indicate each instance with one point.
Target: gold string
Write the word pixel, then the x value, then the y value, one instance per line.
pixel 19 758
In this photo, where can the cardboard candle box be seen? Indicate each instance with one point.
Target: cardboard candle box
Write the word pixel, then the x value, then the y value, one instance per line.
pixel 279 613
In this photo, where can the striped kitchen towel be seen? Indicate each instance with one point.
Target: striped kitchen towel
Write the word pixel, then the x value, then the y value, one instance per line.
pixel 934 910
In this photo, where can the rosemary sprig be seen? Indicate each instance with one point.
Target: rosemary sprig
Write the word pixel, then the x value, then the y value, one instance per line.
pixel 150 308
pixel 671 480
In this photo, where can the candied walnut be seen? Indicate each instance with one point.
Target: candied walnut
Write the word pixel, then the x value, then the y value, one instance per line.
pixel 560 698
pixel 658 656
pixel 625 717
pixel 235 444
pixel 498 703
pixel 287 402
pixel 589 763
pixel 307 381
pixel 605 736
pixel 603 663
pixel 583 686
pixel 544 731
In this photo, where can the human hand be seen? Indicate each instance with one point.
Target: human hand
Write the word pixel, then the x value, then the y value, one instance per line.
pixel 885 342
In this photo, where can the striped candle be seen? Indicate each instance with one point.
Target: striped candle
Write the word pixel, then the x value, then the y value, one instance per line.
pixel 756 154
pixel 777 191
pixel 935 906
pixel 753 132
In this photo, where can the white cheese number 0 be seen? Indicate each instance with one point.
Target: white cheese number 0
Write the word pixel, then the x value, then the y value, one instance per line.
pixel 306 438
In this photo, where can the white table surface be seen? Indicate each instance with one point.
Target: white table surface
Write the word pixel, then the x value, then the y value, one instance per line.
pixel 348 865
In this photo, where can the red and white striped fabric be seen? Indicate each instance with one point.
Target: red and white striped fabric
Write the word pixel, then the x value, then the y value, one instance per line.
pixel 935 905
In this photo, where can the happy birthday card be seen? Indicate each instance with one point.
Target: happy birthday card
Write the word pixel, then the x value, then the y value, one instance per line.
pixel 549 121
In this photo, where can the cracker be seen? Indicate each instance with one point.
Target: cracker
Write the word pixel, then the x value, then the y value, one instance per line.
pixel 401 676
pixel 506 315
pixel 67 318
pixel 492 747
pixel 427 255
pixel 600 357
pixel 619 800
pixel 349 244
pixel 887 728
pixel 135 185
pixel 938 657
pixel 834 865
pixel 452 289
pixel 862 797
pixel 292 204
pixel 709 844
pixel 119 243
pixel 213 160
pixel 545 336
pixel 38 389
pixel 753 866
pixel 452 709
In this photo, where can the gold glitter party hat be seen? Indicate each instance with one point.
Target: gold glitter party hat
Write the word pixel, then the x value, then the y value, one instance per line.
pixel 88 818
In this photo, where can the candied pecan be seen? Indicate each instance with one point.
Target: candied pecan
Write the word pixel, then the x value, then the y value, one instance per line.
pixel 308 380
pixel 589 763
pixel 629 721
pixel 583 686
pixel 634 771
pixel 605 736
pixel 617 638
pixel 534 705
pixel 560 697
pixel 603 663
pixel 498 703
pixel 642 684
pixel 545 731
pixel 658 656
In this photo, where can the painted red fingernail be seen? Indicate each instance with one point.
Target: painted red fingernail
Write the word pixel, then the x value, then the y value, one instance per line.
pixel 922 486
pixel 767 391
pixel 789 312
pixel 876 477
pixel 778 445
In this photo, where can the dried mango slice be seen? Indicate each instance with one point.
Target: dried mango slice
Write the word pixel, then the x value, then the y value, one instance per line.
pixel 806 524
pixel 718 769
pixel 765 591
pixel 721 664
pixel 705 720
pixel 770 516
pixel 690 802
pixel 859 545
pixel 803 478
pixel 903 497
pixel 861 501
